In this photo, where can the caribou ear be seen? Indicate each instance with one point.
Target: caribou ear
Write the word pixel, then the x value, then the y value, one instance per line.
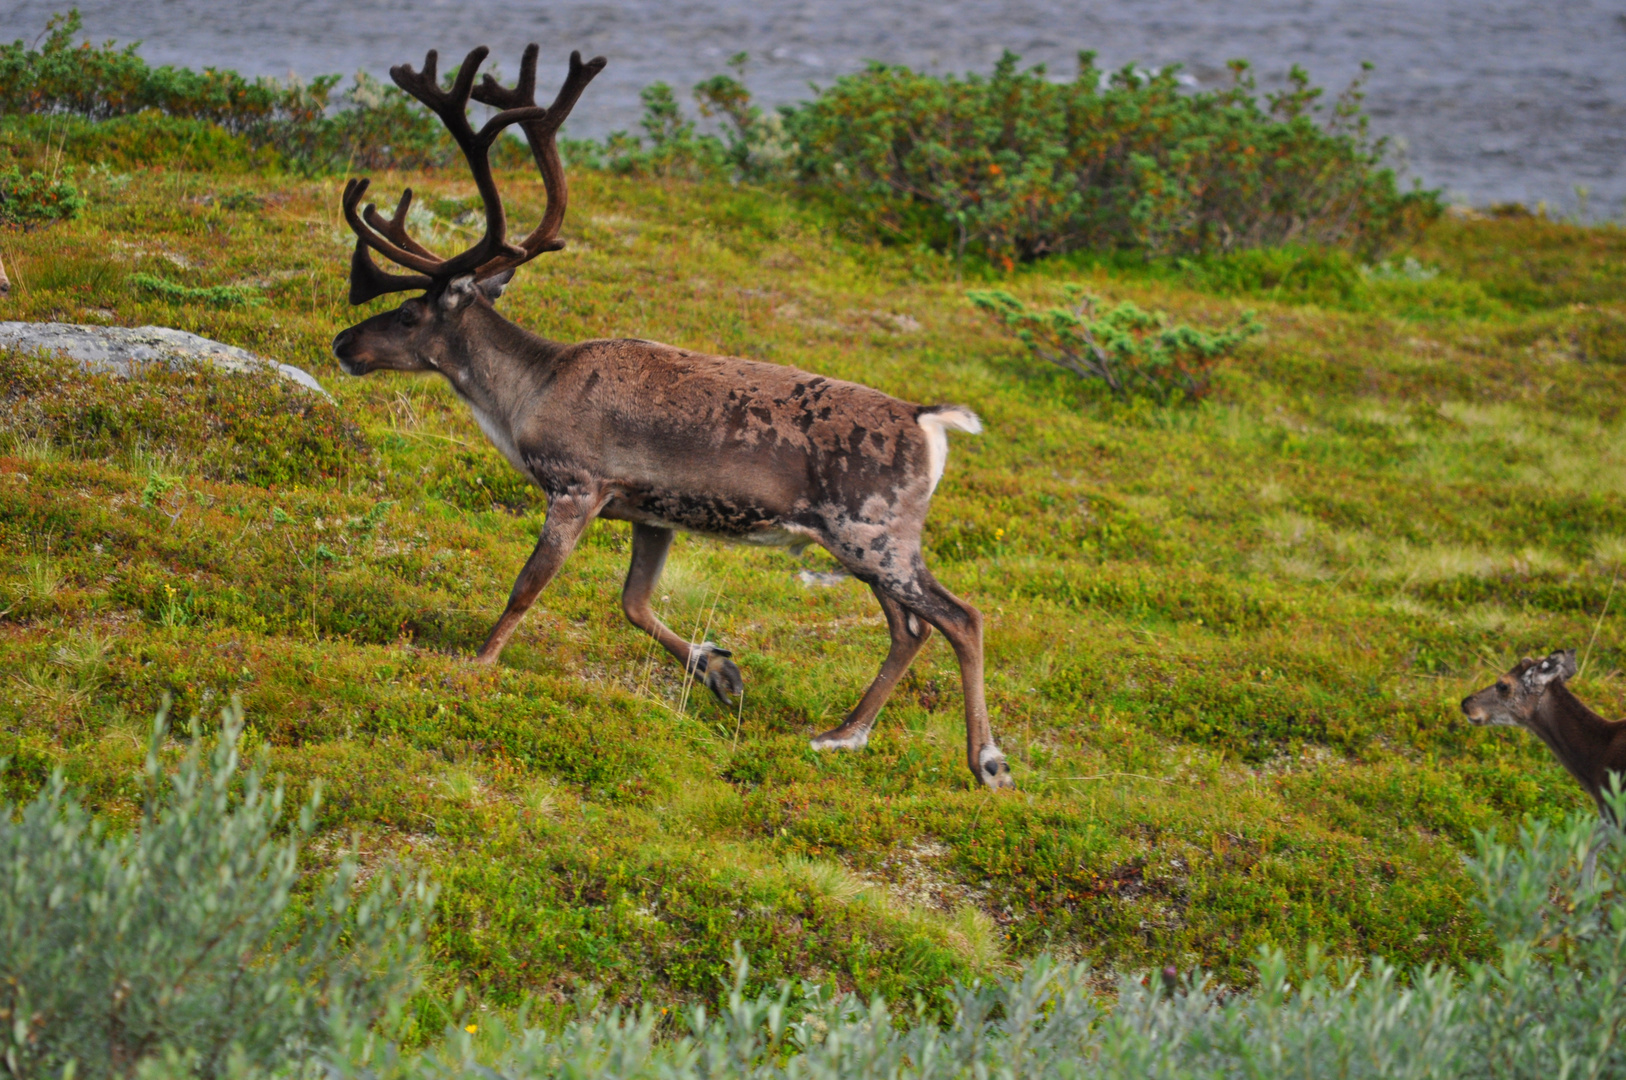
pixel 1550 669
pixel 493 286
pixel 1565 658
pixel 458 293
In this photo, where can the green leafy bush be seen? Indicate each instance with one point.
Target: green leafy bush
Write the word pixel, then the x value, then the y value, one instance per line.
pixel 84 80
pixel 183 938
pixel 674 148
pixel 753 145
pixel 379 127
pixel 758 145
pixel 1129 349
pixel 370 125
pixel 1019 166
pixel 37 198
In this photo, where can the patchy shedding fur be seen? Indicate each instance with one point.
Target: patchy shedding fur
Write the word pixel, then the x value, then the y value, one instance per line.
pixel 669 439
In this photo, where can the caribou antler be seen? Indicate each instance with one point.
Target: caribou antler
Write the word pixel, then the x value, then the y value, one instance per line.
pixel 492 254
pixel 541 135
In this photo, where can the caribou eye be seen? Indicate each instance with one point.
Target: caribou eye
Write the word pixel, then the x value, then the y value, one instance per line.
pixel 407 314
pixel 1503 689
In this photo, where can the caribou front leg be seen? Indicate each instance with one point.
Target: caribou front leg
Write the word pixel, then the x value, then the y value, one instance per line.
pixel 568 516
pixel 650 545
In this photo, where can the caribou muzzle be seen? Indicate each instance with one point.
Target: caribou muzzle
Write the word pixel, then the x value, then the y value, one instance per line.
pixel 342 346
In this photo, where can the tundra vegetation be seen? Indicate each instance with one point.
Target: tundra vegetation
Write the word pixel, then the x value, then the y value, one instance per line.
pixel 1226 638
pixel 178 950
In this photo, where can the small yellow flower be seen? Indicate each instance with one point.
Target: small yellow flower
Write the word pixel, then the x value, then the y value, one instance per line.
pixel 999 534
pixel 472 1028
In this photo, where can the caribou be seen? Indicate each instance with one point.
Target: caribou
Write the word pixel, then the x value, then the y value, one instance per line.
pixel 1532 695
pixel 661 437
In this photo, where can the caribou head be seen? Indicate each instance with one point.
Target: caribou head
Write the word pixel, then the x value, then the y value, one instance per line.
pixel 427 332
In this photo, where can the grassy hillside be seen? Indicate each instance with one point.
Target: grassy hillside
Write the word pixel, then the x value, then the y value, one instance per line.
pixel 1225 643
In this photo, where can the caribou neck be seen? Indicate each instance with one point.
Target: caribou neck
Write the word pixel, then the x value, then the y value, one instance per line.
pixel 1577 736
pixel 499 367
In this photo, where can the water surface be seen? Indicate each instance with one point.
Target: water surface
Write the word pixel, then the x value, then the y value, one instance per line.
pixel 1492 101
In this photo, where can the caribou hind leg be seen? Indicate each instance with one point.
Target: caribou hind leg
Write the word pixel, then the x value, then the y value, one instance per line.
pixel 910 596
pixel 650 544
pixel 908 635
pixel 962 625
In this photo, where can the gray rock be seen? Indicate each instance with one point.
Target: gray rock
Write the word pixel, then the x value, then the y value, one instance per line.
pixel 118 349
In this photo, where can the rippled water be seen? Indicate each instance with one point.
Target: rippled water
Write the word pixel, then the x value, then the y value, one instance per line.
pixel 1493 100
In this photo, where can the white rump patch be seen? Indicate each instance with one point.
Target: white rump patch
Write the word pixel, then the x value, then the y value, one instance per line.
pixel 936 425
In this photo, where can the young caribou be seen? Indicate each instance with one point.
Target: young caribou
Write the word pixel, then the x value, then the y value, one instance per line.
pixel 658 436
pixel 1533 696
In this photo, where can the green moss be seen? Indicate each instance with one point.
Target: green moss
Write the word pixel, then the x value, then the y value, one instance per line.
pixel 213 295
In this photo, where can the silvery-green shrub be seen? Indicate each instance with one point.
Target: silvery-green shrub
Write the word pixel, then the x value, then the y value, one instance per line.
pixel 186 938
pixel 1549 1006
pixel 176 951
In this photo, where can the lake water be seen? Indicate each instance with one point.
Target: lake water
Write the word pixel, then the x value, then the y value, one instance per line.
pixel 1491 100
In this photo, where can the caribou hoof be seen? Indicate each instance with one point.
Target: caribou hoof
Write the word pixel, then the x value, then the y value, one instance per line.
pixel 992 770
pixel 842 738
pixel 723 680
pixel 720 674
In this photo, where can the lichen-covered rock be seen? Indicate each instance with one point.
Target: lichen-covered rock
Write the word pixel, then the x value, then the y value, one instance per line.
pixel 116 349
pixel 217 413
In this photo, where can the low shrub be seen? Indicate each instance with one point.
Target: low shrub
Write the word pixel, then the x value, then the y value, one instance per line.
pixel 213 295
pixel 175 950
pixel 36 198
pixel 758 143
pixel 753 144
pixel 1019 166
pixel 669 147
pixel 84 80
pixel 1129 349
pixel 1013 165
pixel 305 124
pixel 184 940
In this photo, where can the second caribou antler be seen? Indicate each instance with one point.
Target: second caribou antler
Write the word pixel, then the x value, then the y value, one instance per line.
pixel 492 254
